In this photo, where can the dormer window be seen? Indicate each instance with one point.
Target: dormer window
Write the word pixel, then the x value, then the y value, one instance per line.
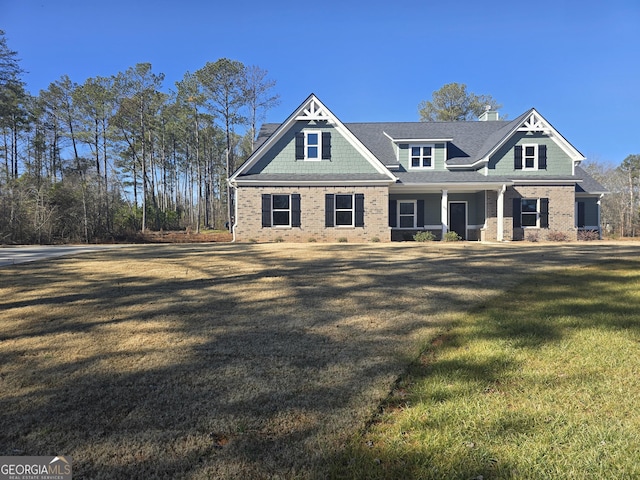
pixel 313 145
pixel 421 156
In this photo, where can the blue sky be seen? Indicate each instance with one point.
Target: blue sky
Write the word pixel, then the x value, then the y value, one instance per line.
pixel 576 61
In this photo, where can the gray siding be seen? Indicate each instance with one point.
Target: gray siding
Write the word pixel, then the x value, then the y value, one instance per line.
pixel 433 205
pixel 475 206
pixel 558 162
pixel 590 210
pixel 281 158
pixel 439 159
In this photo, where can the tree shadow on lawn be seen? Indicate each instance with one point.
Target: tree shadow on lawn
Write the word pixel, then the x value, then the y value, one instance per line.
pixel 225 360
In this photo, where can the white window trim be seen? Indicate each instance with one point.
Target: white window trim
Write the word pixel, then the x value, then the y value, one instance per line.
pixel 352 210
pixel 421 146
pixel 306 145
pixel 535 156
pixel 415 214
pixel 537 225
pixel 273 210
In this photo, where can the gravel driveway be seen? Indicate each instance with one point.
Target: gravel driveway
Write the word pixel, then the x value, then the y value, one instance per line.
pixel 12 255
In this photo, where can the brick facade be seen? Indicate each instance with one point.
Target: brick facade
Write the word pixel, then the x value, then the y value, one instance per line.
pixel 312 208
pixel 561 212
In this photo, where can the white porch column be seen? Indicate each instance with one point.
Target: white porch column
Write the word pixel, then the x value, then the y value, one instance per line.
pixel 599 219
pixel 500 232
pixel 444 212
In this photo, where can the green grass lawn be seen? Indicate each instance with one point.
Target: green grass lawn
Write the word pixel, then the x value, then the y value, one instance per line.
pixel 541 382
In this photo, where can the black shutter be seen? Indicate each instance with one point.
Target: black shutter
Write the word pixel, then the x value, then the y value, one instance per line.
pixel 393 213
pixel 544 213
pixel 266 210
pixel 581 215
pixel 542 157
pixel 420 213
pixel 517 204
pixel 326 145
pixel 328 210
pixel 359 210
pixel 517 157
pixel 299 146
pixel 295 210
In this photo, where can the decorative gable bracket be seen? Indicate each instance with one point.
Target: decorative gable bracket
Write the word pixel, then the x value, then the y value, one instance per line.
pixel 315 111
pixel 535 123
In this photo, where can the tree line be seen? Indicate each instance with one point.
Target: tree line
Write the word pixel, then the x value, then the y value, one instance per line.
pixel 621 206
pixel 117 155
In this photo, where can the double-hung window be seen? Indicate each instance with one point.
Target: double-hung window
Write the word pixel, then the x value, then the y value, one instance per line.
pixel 531 212
pixel 344 211
pixel 407 214
pixel 421 156
pixel 281 210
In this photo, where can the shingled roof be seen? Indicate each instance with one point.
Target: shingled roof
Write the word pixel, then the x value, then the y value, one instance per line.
pixel 468 144
pixel 470 141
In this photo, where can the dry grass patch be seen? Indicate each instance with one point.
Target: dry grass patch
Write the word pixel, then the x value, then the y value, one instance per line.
pixel 227 361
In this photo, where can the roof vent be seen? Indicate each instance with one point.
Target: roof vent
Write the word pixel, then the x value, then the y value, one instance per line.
pixel 489 115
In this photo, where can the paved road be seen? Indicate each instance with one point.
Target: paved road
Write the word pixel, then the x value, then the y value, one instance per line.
pixel 32 253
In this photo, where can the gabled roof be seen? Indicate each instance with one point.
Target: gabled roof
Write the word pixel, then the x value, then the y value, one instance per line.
pixel 470 145
pixel 530 121
pixel 312 109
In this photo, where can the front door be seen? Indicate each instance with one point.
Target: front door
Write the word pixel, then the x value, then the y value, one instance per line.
pixel 458 218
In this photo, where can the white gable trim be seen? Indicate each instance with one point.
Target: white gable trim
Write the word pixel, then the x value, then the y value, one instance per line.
pixel 315 110
pixel 417 139
pixel 534 122
pixel 312 109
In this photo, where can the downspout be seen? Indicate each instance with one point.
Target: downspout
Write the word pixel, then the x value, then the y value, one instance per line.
pixel 234 224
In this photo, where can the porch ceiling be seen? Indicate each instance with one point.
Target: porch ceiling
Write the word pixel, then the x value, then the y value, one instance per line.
pixel 450 187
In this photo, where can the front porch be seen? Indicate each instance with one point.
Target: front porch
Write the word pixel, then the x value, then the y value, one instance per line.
pixel 473 214
pixel 526 210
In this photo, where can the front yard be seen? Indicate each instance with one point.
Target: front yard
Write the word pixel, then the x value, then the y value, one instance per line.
pixel 540 382
pixel 236 361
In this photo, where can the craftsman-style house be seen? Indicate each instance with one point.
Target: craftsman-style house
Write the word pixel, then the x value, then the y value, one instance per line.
pixel 315 178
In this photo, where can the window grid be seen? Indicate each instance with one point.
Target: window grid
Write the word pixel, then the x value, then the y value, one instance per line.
pixel 421 156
